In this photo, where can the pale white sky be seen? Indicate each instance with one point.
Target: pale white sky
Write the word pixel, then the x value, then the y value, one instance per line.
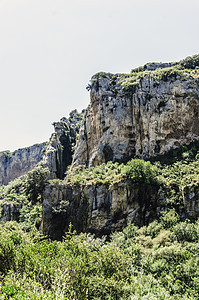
pixel 49 49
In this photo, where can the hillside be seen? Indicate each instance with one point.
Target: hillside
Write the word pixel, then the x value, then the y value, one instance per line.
pixel 109 207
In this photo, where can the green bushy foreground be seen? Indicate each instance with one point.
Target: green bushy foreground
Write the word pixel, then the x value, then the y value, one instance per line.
pixel 155 262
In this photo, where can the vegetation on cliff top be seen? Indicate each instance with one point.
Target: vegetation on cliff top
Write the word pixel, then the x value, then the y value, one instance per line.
pixel 184 69
pixel 138 170
pixel 178 165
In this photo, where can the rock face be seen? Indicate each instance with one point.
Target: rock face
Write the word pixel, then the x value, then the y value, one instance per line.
pixel 144 114
pixel 99 209
pixel 19 162
pixel 143 118
pixel 60 149
pixel 56 154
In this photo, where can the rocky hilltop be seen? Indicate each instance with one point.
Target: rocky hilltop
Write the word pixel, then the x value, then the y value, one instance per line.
pixel 142 114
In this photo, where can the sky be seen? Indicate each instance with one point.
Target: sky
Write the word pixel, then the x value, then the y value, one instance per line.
pixel 49 49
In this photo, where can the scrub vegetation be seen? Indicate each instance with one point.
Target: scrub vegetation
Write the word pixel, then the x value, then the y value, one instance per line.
pixel 159 261
pixel 184 69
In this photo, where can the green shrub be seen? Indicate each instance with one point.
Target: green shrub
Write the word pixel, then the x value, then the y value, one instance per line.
pixel 35 182
pixel 169 218
pixel 185 231
pixel 162 238
pixel 85 267
pixel 141 171
pixel 154 228
pixel 190 62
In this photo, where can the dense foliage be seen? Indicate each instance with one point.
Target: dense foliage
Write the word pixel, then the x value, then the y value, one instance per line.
pixel 185 69
pixel 25 195
pixel 168 171
pixel 155 262
pixel 137 170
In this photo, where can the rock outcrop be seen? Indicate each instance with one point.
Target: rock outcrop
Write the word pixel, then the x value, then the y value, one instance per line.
pixel 19 162
pixel 10 212
pixel 144 114
pixel 55 155
pixel 60 149
pixel 97 209
pixel 139 116
pixel 100 209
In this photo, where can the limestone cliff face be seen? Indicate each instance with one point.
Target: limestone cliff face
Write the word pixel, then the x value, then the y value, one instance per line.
pixel 143 114
pixel 101 210
pixel 19 162
pixel 143 118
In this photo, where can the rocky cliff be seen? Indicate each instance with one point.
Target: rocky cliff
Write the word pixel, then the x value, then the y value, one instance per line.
pixel 143 114
pixel 148 113
pixel 97 208
pixel 19 162
pixel 55 154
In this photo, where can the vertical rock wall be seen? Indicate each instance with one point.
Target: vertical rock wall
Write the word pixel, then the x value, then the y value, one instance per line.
pixel 149 119
pixel 97 208
pixel 101 209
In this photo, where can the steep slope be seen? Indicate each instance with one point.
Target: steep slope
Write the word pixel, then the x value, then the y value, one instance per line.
pixel 144 114
pixel 105 198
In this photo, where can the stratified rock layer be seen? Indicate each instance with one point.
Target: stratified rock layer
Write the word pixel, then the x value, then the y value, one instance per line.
pixel 97 208
pixel 147 120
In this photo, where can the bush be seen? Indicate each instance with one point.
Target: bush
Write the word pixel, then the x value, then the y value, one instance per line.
pixel 185 231
pixel 35 182
pixel 169 218
pixel 154 228
pixel 191 62
pixel 141 171
pixel 85 267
